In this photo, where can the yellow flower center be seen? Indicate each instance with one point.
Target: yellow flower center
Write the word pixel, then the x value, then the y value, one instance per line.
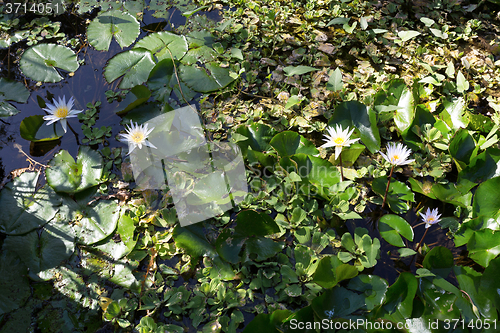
pixel 339 141
pixel 395 158
pixel 61 112
pixel 137 137
pixel 430 219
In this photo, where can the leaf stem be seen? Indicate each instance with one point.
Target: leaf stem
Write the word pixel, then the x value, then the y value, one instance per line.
pixel 341 169
pixel 425 233
pixel 387 188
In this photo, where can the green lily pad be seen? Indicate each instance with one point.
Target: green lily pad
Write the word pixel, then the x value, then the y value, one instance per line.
pixel 66 175
pixel 32 129
pixel 484 246
pixel 11 91
pixel 27 209
pixel 373 288
pixel 95 222
pixel 439 261
pixel 44 250
pixel 164 45
pixel 486 205
pixel 401 294
pixel 399 194
pixel 258 137
pixel 134 65
pixel 461 148
pixel 358 115
pixel 159 80
pixel 40 62
pixel 337 302
pixel 125 230
pixel 392 227
pixel 118 24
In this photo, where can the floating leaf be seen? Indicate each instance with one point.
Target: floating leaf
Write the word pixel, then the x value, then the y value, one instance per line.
pixel 134 65
pixel 66 175
pixel 40 62
pixel 121 25
pixel 11 91
pixel 27 209
pixel 401 294
pixel 32 128
pixel 337 303
pixel 43 250
pixel 392 227
pixel 486 205
pixel 373 288
pixel 293 100
pixel 159 79
pixel 358 115
pixel 164 45
pixel 258 137
pixel 298 70
pixel 286 143
pixel 96 221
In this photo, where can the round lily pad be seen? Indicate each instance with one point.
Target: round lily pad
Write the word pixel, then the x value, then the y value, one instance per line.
pixel 40 62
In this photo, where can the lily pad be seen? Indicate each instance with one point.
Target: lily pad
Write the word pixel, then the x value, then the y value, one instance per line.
pixel 164 45
pixel 358 115
pixel 40 62
pixel 337 303
pixel 11 91
pixel 134 65
pixel 32 129
pixel 95 222
pixel 331 271
pixel 136 96
pixel 159 80
pixel 66 175
pixel 486 205
pixel 392 227
pixel 372 286
pixel 118 24
pixel 27 209
pixel 44 250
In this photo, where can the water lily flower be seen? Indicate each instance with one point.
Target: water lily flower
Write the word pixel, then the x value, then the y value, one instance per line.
pixel 136 136
pixel 397 154
pixel 60 110
pixel 431 217
pixel 338 139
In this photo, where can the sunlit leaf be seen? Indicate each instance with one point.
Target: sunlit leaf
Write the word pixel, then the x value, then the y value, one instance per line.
pixel 118 24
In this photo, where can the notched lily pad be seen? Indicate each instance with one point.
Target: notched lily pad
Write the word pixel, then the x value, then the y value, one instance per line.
pixel 11 91
pixel 118 24
pixel 40 62
pixel 66 175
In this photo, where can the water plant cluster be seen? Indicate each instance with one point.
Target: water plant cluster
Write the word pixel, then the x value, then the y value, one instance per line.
pixel 370 135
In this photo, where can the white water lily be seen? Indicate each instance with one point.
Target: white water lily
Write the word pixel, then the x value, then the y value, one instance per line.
pixel 136 136
pixel 338 139
pixel 60 110
pixel 397 154
pixel 431 217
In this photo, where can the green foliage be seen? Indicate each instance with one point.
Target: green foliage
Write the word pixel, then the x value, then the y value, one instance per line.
pixel 40 62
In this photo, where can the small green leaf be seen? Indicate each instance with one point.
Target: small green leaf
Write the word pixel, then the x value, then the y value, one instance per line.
pixel 462 83
pixel 298 70
pixel 335 81
pixel 407 35
pixel 392 227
